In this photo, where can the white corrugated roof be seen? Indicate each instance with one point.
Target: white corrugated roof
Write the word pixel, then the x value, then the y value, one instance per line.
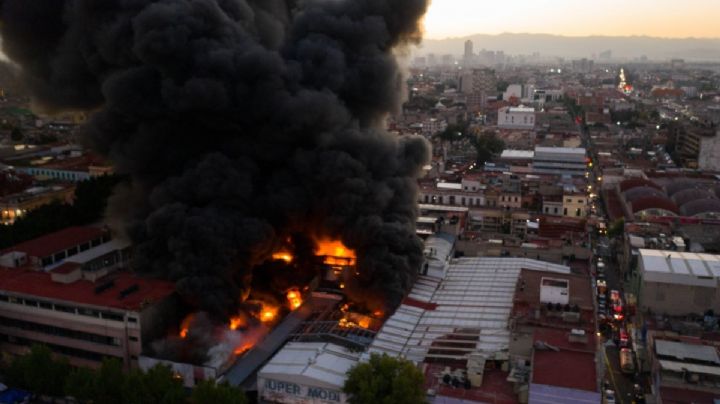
pixel 517 154
pixel 685 351
pixel 690 367
pixel 665 266
pixel 475 296
pixel 324 363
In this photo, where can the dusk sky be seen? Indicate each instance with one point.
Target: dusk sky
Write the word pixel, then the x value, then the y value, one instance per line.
pixel 662 18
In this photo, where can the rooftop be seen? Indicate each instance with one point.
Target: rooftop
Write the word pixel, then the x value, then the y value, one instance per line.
pixel 325 364
pixel 39 284
pixel 563 150
pixel 517 154
pixel 684 351
pixel 569 369
pixel 667 266
pixel 474 298
pixel 59 241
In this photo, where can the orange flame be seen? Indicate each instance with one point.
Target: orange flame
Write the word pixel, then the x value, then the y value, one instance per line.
pixel 283 256
pixel 294 298
pixel 267 313
pixel 185 325
pixel 335 253
pixel 243 348
pixel 237 322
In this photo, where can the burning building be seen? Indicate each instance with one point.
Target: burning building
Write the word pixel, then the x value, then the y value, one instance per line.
pixel 247 130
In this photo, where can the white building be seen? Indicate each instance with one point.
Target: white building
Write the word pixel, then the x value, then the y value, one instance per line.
pixel 306 372
pixel 709 152
pixel 516 118
pixel 678 283
pixel 560 161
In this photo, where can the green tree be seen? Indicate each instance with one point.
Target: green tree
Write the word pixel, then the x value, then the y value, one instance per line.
pixel 486 145
pixel 453 133
pixel 617 228
pixel 81 384
pixel 161 386
pixel 39 372
pixel 385 380
pixel 110 382
pixel 210 392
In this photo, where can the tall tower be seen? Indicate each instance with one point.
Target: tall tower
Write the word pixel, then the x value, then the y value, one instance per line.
pixel 468 49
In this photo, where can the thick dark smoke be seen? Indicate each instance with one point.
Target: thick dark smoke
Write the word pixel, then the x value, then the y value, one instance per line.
pixel 240 122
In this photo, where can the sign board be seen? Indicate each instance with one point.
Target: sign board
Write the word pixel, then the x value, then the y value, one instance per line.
pixel 286 392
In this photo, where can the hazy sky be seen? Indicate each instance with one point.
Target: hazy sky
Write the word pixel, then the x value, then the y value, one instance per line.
pixel 664 18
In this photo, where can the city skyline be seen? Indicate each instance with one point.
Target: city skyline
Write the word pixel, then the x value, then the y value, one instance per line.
pixel 656 18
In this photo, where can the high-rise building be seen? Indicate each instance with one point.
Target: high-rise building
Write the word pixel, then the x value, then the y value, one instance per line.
pixel 468 49
pixel 478 84
pixel 468 56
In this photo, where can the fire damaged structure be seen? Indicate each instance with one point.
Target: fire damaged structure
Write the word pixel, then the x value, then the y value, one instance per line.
pixel 251 136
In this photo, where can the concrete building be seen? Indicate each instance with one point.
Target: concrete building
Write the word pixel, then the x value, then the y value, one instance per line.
pixel 17 205
pixel 478 85
pixel 684 372
pixel 48 251
pixel 560 161
pixel 575 205
pixel 82 320
pixel 708 153
pixel 516 118
pixel 677 283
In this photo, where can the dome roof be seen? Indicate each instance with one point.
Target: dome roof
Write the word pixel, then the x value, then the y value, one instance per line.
pixel 681 185
pixel 700 207
pixel 637 182
pixel 692 194
pixel 636 193
pixel 654 202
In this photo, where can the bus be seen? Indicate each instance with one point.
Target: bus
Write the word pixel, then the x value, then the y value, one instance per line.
pixel 627 365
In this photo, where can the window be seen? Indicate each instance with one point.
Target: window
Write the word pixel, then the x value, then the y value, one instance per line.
pixel 577 212
pixel 131 338
pixel 65 309
pixel 132 319
pixel 565 211
pixel 568 200
pixel 556 211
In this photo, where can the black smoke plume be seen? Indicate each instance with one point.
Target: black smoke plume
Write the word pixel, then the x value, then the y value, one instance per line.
pixel 240 122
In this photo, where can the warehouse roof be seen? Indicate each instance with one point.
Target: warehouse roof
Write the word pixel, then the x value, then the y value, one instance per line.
pixel 665 266
pixel 472 302
pixel 312 363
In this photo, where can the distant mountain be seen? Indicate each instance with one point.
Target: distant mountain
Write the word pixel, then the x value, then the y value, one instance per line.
pixel 574 47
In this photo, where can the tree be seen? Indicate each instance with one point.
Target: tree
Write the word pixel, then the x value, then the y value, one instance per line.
pixel 210 392
pixel 39 372
pixel 385 380
pixel 453 133
pixel 617 228
pixel 81 384
pixel 110 381
pixel 486 145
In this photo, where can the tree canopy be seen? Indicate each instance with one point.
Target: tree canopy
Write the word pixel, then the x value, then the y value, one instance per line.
pixel 385 380
pixel 41 373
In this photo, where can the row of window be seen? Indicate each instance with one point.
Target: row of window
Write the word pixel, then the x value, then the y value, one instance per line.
pixel 103 314
pixel 59 331
pixel 555 210
pixel 62 175
pixel 63 350
pixel 74 250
